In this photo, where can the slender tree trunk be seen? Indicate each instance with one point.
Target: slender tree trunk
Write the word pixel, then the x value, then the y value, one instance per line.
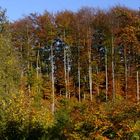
pixel 113 73
pixel 90 75
pixel 90 67
pixel 138 89
pixel 37 71
pixel 126 73
pixel 28 56
pixel 137 62
pixel 106 74
pixel 85 79
pixel 21 55
pixel 98 84
pixel 65 69
pixel 52 78
pixel 68 75
pixel 37 65
pixel 79 75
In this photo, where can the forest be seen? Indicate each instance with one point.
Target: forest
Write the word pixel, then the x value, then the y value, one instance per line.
pixel 70 75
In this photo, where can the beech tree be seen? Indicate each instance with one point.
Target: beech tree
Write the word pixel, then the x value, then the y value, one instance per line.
pixel 87 45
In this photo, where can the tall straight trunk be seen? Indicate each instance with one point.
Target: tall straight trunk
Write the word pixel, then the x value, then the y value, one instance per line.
pixel 113 73
pixel 65 66
pixel 21 55
pixel 37 70
pixel 65 69
pixel 90 66
pixel 98 84
pixel 68 75
pixel 126 73
pixel 52 78
pixel 28 55
pixel 106 74
pixel 138 89
pixel 90 74
pixel 85 79
pixel 79 75
pixel 37 65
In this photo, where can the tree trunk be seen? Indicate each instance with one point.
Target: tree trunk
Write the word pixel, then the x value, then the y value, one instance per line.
pixel 37 65
pixel 37 71
pixel 79 76
pixel 28 55
pixel 90 75
pixel 138 90
pixel 98 84
pixel 68 76
pixel 65 69
pixel 90 66
pixel 113 73
pixel 126 73
pixel 106 74
pixel 52 78
pixel 65 66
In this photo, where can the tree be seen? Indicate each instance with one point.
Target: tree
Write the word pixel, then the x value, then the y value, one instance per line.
pixel 10 66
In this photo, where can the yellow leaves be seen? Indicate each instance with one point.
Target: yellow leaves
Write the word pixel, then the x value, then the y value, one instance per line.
pixel 10 62
pixel 2 103
pixel 78 125
pixel 75 136
pixel 99 137
pixel 98 78
pixel 43 117
pixel 136 126
pixel 20 109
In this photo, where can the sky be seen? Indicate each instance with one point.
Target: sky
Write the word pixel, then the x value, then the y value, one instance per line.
pixel 17 9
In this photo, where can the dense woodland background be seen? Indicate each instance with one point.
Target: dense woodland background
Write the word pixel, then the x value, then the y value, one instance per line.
pixel 70 75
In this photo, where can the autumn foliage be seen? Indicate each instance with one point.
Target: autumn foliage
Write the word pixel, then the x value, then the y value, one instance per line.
pixel 70 75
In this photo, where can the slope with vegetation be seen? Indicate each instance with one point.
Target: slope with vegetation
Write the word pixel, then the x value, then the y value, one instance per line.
pixel 70 75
